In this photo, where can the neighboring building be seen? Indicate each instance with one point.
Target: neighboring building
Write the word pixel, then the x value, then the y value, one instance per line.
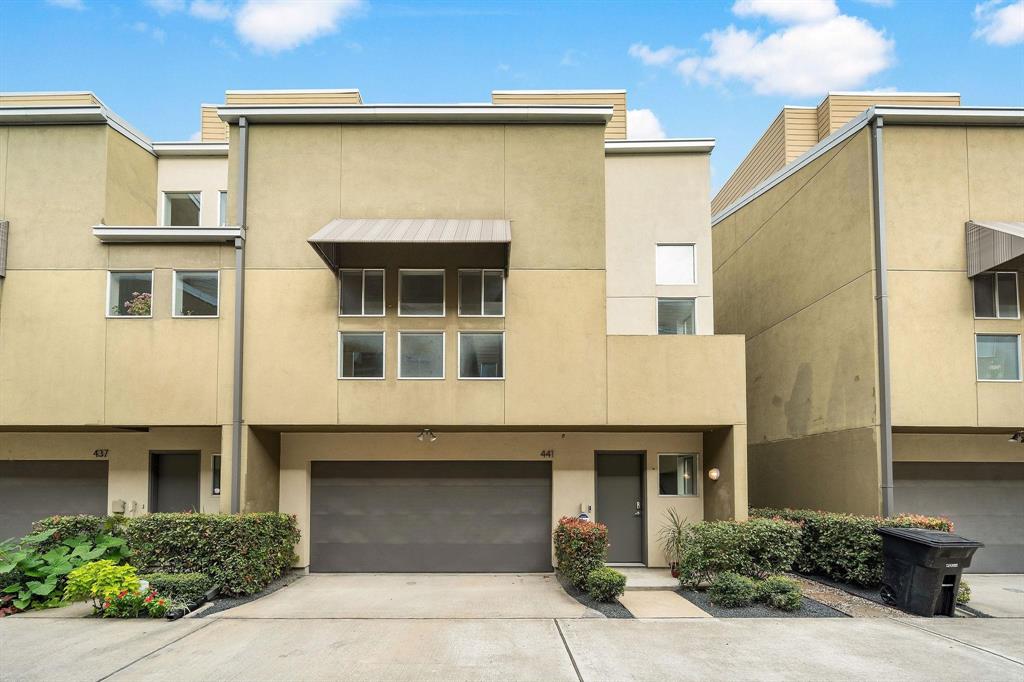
pixel 888 380
pixel 451 327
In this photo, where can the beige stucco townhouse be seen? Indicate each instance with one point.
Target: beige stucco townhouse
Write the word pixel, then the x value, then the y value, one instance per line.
pixel 458 324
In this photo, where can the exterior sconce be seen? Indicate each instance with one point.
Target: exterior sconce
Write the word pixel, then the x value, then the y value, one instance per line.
pixel 426 436
pixel 714 473
pixel 1017 437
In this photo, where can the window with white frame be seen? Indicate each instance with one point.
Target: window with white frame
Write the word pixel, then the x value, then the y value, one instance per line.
pixel 998 357
pixel 677 475
pixel 360 355
pixel 222 208
pixel 130 294
pixel 421 293
pixel 674 264
pixel 481 355
pixel 481 293
pixel 996 295
pixel 361 292
pixel 421 355
pixel 182 209
pixel 196 293
pixel 676 316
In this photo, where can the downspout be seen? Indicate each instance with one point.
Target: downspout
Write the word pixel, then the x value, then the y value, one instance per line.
pixel 882 313
pixel 236 388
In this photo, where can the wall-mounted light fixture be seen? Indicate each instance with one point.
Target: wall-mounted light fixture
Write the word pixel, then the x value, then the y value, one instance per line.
pixel 714 473
pixel 1017 437
pixel 426 436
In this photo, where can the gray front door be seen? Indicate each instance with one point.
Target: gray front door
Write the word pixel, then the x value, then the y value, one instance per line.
pixel 174 482
pixel 436 516
pixel 34 489
pixel 620 495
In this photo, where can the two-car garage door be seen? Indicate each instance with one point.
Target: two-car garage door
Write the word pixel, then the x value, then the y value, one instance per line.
pixel 33 489
pixel 430 516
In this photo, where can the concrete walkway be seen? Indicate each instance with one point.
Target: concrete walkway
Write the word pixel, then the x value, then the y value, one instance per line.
pixel 997 595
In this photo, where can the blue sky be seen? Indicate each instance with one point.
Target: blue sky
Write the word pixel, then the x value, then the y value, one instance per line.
pixel 718 69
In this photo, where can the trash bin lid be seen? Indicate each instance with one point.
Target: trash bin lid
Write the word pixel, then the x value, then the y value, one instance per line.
pixel 931 538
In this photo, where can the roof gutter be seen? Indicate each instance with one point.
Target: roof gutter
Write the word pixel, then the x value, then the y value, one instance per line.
pixel 236 387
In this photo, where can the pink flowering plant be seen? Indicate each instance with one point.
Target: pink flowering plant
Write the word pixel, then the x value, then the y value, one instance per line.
pixel 140 304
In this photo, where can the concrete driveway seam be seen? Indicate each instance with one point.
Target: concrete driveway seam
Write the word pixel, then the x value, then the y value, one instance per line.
pixel 159 648
pixel 905 621
pixel 572 659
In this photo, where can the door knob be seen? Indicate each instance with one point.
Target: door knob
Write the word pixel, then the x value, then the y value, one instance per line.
pixel 637 512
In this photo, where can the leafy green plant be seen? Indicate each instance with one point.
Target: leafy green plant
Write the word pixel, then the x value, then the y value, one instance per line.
pixel 754 548
pixel 963 592
pixel 133 604
pixel 100 581
pixel 183 587
pixel 580 547
pixel 769 546
pixel 780 592
pixel 605 584
pixel 732 590
pixel 672 537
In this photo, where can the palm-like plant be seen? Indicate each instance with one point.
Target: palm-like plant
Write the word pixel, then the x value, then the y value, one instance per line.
pixel 672 538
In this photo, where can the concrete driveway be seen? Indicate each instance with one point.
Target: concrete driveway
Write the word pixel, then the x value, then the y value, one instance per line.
pixel 997 595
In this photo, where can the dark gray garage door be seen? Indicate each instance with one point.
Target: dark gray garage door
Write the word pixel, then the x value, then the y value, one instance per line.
pixel 430 517
pixel 985 501
pixel 34 489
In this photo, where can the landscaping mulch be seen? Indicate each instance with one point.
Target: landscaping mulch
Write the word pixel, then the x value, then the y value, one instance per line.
pixel 810 608
pixel 224 603
pixel 874 596
pixel 607 609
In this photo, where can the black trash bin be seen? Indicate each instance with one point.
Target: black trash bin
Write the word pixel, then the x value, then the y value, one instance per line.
pixel 923 569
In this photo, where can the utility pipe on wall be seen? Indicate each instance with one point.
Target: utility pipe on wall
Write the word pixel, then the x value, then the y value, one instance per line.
pixel 236 388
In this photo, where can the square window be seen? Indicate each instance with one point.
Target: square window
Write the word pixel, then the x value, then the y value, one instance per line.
pixel 481 293
pixel 361 292
pixel 222 208
pixel 421 355
pixel 998 357
pixel 196 294
pixel 481 355
pixel 361 355
pixel 677 475
pixel 130 294
pixel 215 475
pixel 995 295
pixel 181 209
pixel 676 316
pixel 421 293
pixel 674 264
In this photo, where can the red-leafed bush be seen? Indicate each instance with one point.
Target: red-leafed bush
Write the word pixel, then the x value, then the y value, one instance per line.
pixel 580 547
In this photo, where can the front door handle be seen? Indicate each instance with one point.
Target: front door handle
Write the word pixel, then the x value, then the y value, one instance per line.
pixel 637 512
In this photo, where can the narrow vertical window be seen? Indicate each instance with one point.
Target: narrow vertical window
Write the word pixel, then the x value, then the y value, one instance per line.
pixel 215 474
pixel 223 208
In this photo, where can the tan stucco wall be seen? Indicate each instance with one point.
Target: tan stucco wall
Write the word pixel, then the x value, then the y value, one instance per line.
pixel 131 180
pixel 955 447
pixel 207 175
pixel 726 450
pixel 573 482
pixel 128 457
pixel 655 199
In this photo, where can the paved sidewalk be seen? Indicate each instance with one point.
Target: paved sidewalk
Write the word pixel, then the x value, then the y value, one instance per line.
pixel 997 595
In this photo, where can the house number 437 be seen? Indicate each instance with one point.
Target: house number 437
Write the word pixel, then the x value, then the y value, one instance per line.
pixel 101 453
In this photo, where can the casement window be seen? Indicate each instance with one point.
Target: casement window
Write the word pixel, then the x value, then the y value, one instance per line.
pixel 361 292
pixel 481 355
pixel 421 355
pixel 677 475
pixel 130 294
pixel 421 293
pixel 674 264
pixel 995 295
pixel 215 475
pixel 998 357
pixel 676 316
pixel 222 208
pixel 182 209
pixel 360 355
pixel 196 293
pixel 481 293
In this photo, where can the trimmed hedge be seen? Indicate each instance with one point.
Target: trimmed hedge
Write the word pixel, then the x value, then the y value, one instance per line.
pixel 845 547
pixel 605 584
pixel 756 548
pixel 181 587
pixel 780 592
pixel 732 590
pixel 580 547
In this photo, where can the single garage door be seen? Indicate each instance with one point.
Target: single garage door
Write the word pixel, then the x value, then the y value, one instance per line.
pixel 985 501
pixel 34 489
pixel 433 516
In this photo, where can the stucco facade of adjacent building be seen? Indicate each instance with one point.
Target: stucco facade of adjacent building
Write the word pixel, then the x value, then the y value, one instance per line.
pixel 876 216
pixel 420 399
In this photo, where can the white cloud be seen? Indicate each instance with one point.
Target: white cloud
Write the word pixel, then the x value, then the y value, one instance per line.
pixel 153 31
pixel 642 124
pixel 660 57
pixel 197 136
pixel 166 6
pixel 571 57
pixel 787 11
pixel 999 24
pixel 276 25
pixel 211 10
pixel 68 4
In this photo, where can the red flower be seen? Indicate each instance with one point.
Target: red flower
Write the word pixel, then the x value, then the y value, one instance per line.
pixel 149 599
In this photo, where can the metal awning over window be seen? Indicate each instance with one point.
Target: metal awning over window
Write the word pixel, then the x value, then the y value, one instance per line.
pixel 992 244
pixel 332 237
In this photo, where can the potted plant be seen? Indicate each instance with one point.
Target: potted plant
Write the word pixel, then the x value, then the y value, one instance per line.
pixel 671 537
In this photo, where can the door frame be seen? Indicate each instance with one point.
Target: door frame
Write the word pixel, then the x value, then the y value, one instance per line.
pixel 153 455
pixel 643 493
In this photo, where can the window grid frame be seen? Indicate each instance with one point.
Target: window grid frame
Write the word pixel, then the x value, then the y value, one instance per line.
pixel 995 295
pixel 693 253
pixel 1020 367
pixel 174 288
pixel 657 313
pixel 383 354
pixel 152 295
pixel 444 292
pixel 362 298
pixel 164 214
pixel 697 474
pixel 444 353
pixel 482 272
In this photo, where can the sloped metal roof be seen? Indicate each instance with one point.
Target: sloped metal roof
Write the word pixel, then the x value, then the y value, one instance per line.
pixel 990 244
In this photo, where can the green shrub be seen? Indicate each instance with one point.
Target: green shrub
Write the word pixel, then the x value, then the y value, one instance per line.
pixel 732 590
pixel 183 587
pixel 845 547
pixel 963 592
pixel 580 547
pixel 605 584
pixel 754 548
pixel 243 553
pixel 780 592
pixel 100 581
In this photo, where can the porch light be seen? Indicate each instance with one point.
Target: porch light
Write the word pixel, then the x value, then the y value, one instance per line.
pixel 426 436
pixel 1017 437
pixel 714 473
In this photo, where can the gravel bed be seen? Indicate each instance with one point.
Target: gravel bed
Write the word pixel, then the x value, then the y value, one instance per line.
pixel 224 603
pixel 810 608
pixel 607 609
pixel 874 595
